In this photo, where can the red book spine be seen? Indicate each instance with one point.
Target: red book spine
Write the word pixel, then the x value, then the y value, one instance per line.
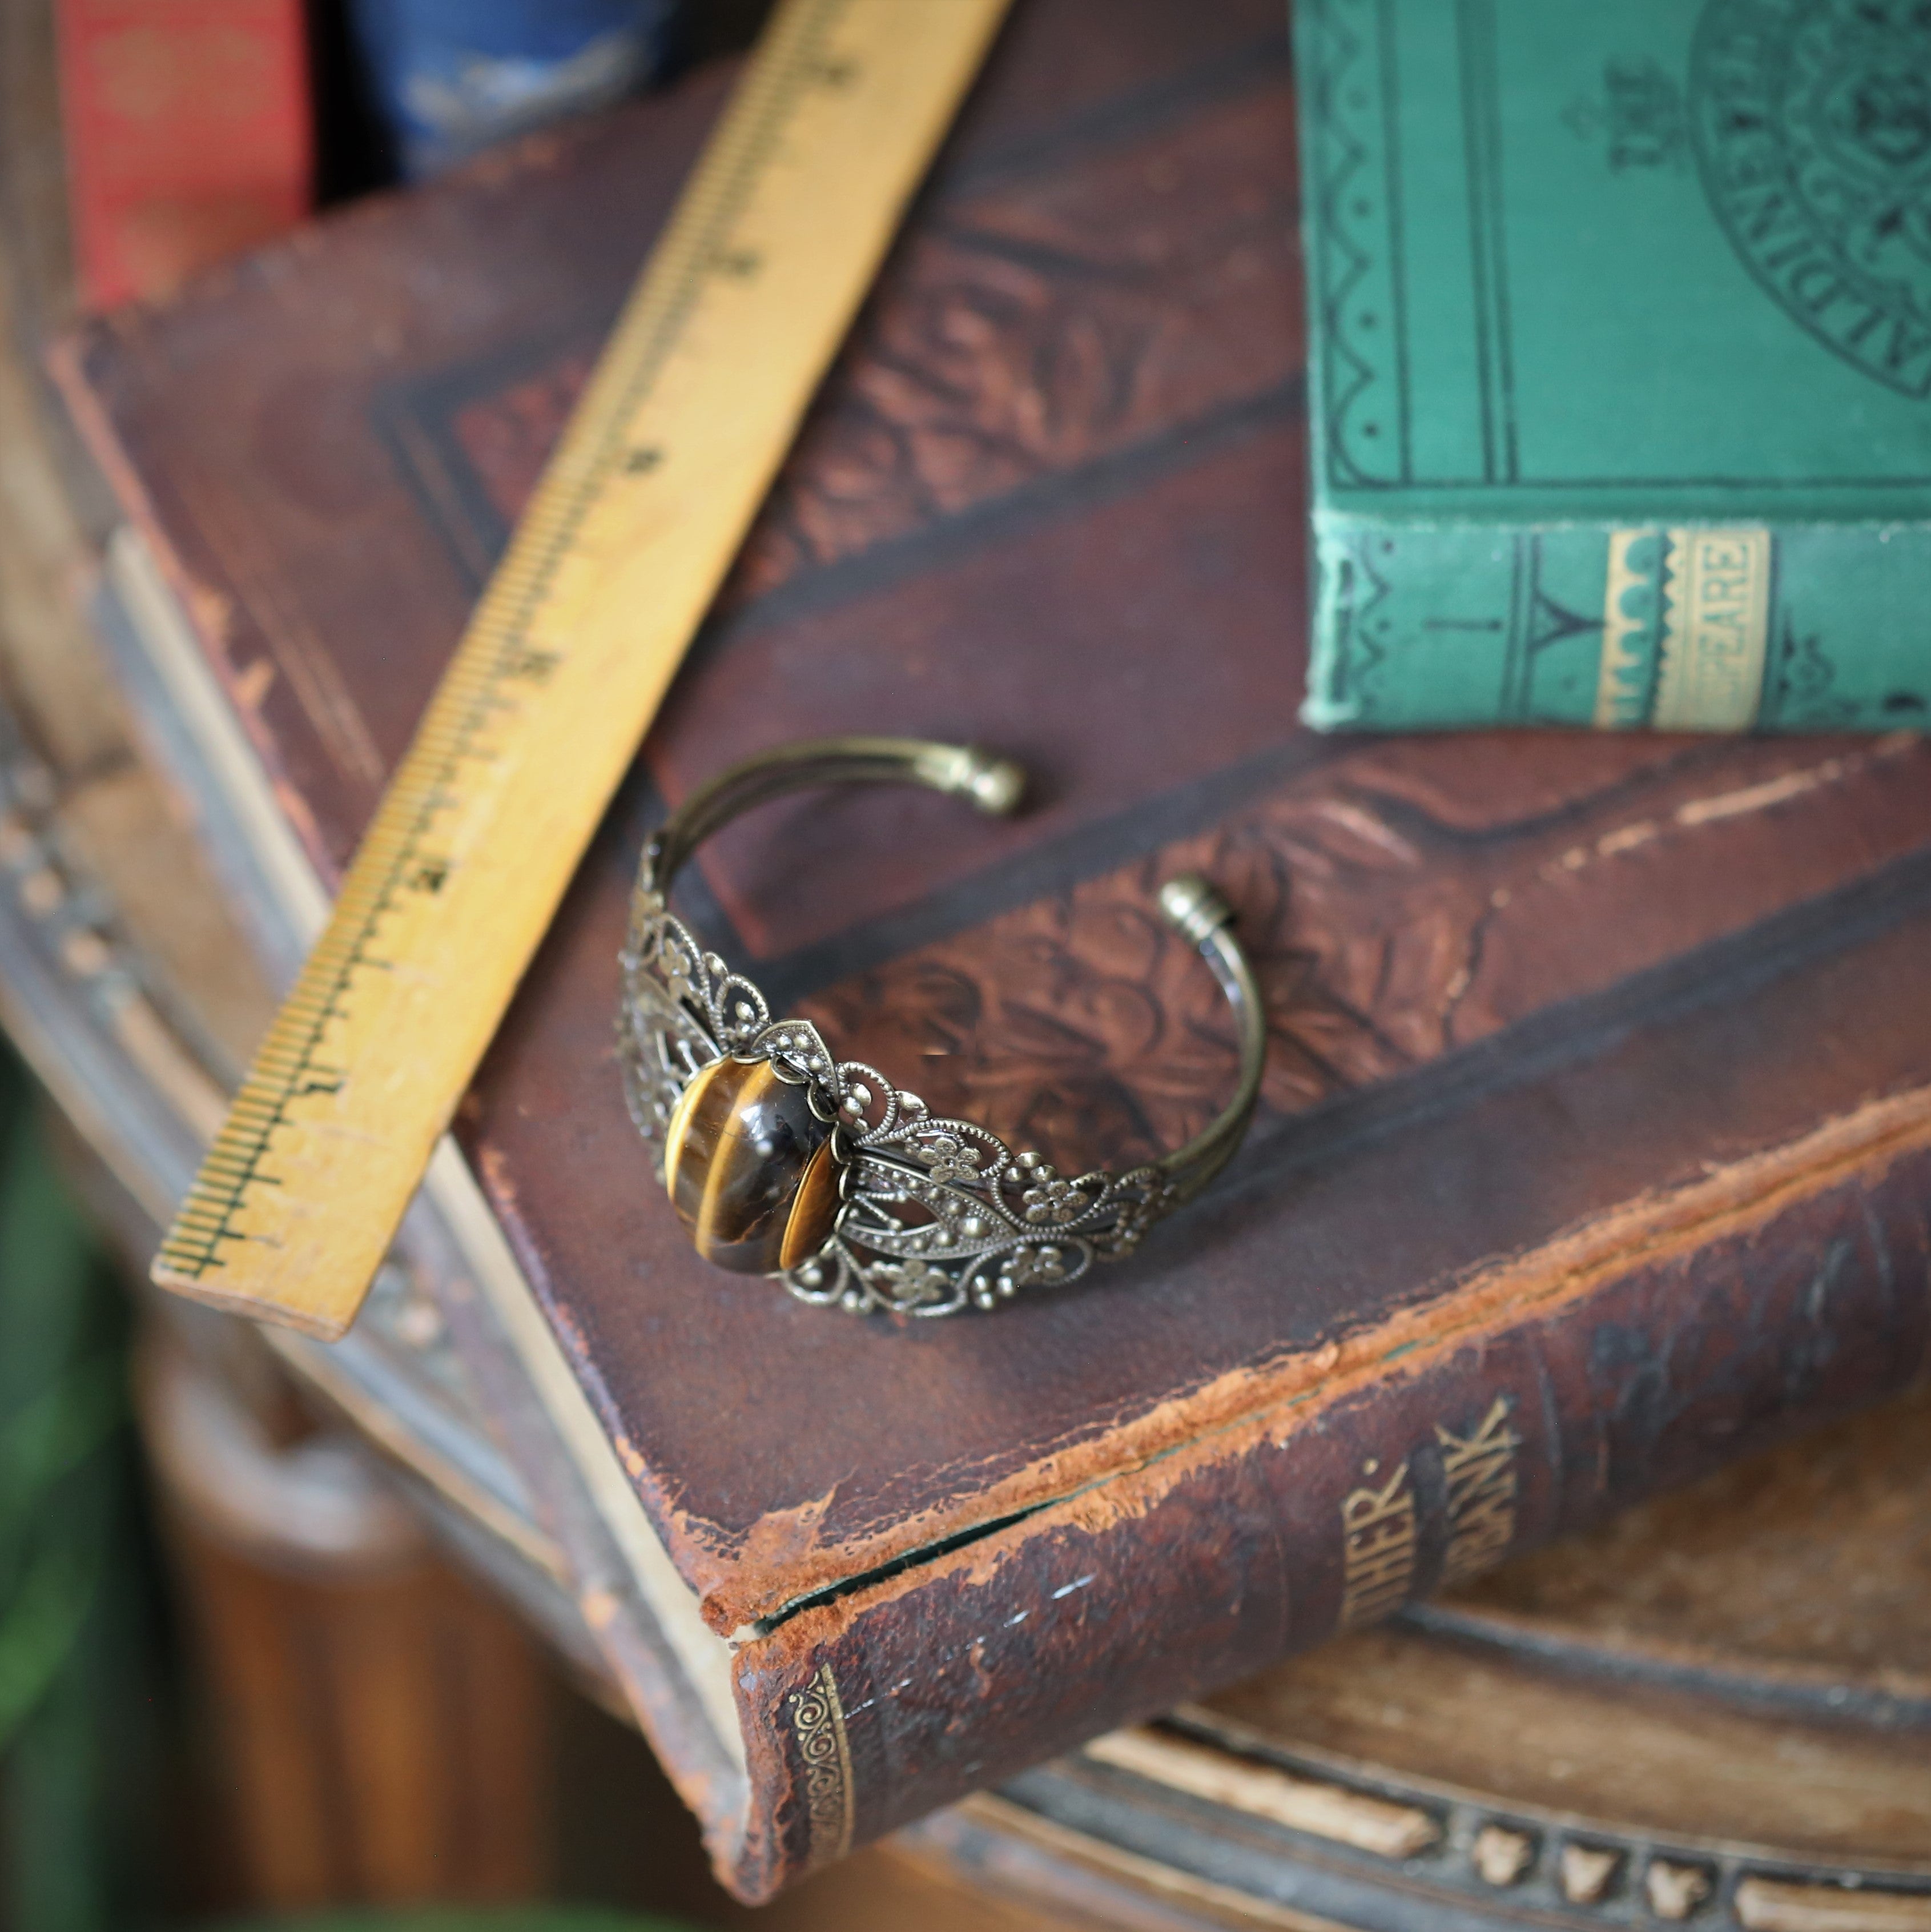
pixel 189 135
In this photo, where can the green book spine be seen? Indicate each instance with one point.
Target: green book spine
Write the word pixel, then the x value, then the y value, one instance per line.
pixel 1619 363
pixel 1808 627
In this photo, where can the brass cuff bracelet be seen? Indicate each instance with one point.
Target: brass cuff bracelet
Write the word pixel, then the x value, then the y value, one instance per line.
pixel 780 1160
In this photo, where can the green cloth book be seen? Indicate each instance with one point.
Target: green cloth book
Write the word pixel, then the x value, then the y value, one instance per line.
pixel 1620 362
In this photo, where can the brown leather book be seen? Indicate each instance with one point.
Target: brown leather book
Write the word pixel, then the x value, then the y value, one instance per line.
pixel 1597 1126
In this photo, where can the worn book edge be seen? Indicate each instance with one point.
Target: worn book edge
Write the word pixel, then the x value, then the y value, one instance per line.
pixel 174 651
pixel 1247 1409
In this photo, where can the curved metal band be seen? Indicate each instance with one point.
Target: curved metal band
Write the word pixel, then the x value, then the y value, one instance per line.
pixel 683 1007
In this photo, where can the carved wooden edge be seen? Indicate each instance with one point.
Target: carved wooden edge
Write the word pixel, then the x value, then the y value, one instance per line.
pixel 1326 1810
pixel 1602 1651
pixel 1783 1905
pixel 1521 1864
pixel 75 1001
pixel 1010 1847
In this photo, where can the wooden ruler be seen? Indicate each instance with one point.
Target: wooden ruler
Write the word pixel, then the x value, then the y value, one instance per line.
pixel 696 398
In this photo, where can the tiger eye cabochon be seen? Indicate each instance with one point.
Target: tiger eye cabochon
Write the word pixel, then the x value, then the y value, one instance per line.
pixel 749 1169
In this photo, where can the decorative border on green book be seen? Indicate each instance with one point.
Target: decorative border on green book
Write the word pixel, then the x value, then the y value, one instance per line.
pixel 1354 109
pixel 1350 100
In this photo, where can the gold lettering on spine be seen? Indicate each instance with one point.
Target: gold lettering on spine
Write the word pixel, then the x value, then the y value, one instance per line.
pixel 1378 1531
pixel 1480 1469
pixel 1716 630
pixel 818 1724
pixel 1699 600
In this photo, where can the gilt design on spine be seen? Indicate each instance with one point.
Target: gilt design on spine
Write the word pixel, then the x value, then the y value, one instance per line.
pixel 1377 1524
pixel 818 1725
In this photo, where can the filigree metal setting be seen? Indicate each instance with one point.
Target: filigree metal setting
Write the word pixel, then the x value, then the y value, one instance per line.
pixel 937 1216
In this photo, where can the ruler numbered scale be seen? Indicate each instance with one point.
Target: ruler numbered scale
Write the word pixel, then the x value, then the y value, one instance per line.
pixel 671 449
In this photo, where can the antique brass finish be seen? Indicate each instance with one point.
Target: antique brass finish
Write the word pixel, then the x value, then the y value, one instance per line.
pixel 780 1160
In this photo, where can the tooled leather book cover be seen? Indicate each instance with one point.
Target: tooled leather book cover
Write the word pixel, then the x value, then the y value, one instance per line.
pixel 1596 1140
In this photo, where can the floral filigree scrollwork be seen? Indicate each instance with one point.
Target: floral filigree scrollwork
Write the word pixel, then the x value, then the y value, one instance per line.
pixel 938 1215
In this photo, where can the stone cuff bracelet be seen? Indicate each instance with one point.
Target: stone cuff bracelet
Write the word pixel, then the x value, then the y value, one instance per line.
pixel 781 1160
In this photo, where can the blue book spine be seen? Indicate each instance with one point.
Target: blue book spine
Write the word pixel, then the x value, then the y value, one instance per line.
pixel 451 77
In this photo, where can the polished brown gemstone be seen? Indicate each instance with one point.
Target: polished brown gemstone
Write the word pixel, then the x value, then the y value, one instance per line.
pixel 749 1168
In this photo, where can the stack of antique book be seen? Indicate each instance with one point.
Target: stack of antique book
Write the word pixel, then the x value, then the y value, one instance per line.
pixel 1596 1129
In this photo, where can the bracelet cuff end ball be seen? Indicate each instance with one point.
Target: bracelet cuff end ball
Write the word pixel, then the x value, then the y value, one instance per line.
pixel 996 785
pixel 1194 909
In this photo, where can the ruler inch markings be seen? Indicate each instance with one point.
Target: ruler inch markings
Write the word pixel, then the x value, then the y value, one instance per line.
pixel 691 408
